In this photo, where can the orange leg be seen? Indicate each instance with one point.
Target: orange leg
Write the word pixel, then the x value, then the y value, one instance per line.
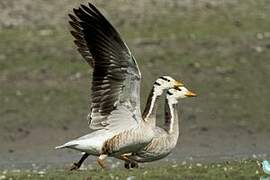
pixel 101 159
pixel 124 158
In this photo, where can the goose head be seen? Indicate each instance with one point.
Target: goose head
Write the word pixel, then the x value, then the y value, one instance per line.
pixel 164 83
pixel 174 94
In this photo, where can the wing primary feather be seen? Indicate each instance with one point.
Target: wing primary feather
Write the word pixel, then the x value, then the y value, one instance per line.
pixel 114 68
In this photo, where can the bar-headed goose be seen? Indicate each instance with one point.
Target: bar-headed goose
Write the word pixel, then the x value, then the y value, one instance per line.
pixel 165 138
pixel 115 109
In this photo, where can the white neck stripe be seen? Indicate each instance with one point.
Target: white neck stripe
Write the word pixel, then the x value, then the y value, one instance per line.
pixel 153 101
pixel 172 116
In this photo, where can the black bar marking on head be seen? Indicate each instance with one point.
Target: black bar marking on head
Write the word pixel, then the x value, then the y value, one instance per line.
pixel 165 79
pixel 168 92
pixel 156 83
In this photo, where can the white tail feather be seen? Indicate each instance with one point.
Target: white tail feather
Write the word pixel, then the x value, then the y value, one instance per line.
pixel 67 145
pixel 60 147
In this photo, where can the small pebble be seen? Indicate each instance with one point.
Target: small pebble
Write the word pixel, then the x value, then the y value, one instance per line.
pixel 130 177
pixel 16 171
pixel 258 49
pixel 111 176
pixel 260 36
pixel 266 34
pixel 45 32
pixel 41 172
pixel 34 171
pixel 18 93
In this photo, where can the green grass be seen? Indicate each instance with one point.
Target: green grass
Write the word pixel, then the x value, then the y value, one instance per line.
pixel 243 170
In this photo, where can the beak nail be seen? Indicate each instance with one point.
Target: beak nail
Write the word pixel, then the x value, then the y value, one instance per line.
pixel 191 94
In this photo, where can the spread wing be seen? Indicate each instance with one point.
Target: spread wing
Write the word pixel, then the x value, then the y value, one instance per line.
pixel 116 76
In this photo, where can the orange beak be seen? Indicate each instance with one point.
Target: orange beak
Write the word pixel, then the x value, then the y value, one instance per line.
pixel 190 94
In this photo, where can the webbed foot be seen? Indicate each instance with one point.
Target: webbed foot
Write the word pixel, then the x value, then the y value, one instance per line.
pixel 74 167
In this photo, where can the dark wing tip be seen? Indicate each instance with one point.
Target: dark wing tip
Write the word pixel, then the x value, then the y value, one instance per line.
pixel 76 35
pixel 92 6
pixel 78 43
pixel 76 18
pixel 72 17
pixel 76 26
pixel 77 12
pixel 75 9
pixel 84 7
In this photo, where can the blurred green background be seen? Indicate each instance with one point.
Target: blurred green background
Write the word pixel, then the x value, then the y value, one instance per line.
pixel 220 49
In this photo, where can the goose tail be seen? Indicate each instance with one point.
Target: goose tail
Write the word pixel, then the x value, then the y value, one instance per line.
pixel 70 144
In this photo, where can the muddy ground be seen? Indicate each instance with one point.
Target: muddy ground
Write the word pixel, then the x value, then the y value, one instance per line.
pixel 219 49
